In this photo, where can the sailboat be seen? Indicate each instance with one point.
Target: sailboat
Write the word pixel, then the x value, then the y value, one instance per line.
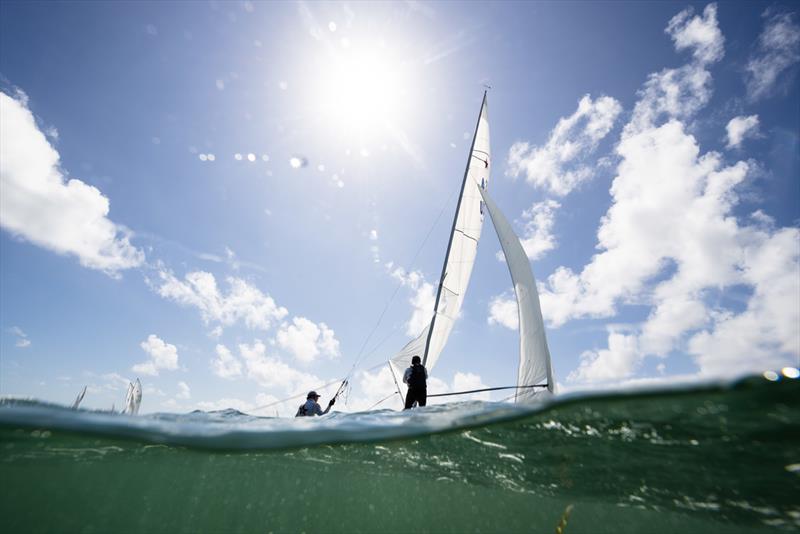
pixel 133 398
pixel 79 398
pixel 535 373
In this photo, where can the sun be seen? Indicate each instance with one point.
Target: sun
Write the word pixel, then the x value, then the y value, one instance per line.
pixel 362 89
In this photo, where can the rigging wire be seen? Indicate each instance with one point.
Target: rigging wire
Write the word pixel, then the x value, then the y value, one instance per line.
pixel 360 354
pixel 487 389
pixel 381 401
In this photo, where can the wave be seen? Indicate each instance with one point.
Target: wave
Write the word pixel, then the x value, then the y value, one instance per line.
pixel 718 457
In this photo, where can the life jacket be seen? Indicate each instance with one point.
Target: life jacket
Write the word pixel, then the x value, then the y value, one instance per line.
pixel 301 411
pixel 417 379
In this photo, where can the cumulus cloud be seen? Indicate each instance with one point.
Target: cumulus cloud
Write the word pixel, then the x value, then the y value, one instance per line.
pixel 680 93
pixel 700 34
pixel 226 365
pixel 422 300
pixel 183 391
pixel 307 340
pixel 503 311
pixel 162 356
pixel 777 51
pixel 271 372
pixel 765 334
pixel 618 361
pixel 243 302
pixel 670 240
pixel 537 237
pixel 42 205
pixel 558 166
pixel 739 128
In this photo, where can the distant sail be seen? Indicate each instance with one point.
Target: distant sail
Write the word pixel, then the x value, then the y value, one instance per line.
pixel 134 398
pixel 460 255
pixel 535 366
pixel 79 398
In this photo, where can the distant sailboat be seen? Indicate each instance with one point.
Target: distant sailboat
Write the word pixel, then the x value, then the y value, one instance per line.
pixel 79 398
pixel 133 398
pixel 535 374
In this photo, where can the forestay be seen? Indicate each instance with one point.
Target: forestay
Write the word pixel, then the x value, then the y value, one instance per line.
pixel 535 367
pixel 460 257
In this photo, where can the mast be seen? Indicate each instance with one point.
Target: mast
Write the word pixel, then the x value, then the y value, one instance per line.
pixel 452 232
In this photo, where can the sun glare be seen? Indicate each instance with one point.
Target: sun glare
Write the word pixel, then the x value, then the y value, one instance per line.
pixel 362 89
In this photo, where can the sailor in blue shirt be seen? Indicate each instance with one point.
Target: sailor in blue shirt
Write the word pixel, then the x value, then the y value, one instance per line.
pixel 312 407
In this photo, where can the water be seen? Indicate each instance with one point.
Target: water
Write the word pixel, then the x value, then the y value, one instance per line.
pixel 719 458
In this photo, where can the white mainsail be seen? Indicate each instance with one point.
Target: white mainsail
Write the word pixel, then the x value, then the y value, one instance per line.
pixel 535 367
pixel 460 256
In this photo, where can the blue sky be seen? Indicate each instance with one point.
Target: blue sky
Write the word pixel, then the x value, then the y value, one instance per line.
pixel 221 197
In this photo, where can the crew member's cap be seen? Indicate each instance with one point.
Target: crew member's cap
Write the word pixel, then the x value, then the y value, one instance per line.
pixel 312 395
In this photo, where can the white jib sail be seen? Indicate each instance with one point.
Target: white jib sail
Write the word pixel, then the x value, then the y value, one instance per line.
pixel 460 257
pixel 534 357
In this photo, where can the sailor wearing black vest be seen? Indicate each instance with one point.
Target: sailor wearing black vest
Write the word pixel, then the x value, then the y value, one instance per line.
pixel 416 377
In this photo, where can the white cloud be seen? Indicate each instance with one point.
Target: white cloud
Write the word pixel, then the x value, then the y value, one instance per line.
pixel 537 237
pixel 778 49
pixel 618 361
pixel 162 356
pixel 271 372
pixel 22 338
pixel 503 311
pixel 422 301
pixel 680 93
pixel 185 392
pixel 243 302
pixel 558 165
pixel 764 335
pixel 40 204
pixel 739 128
pixel 232 261
pixel 698 33
pixel 670 206
pixel 226 365
pixel 670 240
pixel 469 382
pixel 307 340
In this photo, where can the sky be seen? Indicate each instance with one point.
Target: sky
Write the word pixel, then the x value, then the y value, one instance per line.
pixel 237 202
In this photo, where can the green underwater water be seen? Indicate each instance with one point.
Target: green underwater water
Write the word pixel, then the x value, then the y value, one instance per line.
pixel 708 459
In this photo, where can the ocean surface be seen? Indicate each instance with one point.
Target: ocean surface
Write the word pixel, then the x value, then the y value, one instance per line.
pixel 711 458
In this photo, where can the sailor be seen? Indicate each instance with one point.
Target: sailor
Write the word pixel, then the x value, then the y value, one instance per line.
pixel 416 377
pixel 312 407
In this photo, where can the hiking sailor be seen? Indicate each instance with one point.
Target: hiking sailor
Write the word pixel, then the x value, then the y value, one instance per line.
pixel 312 407
pixel 416 377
